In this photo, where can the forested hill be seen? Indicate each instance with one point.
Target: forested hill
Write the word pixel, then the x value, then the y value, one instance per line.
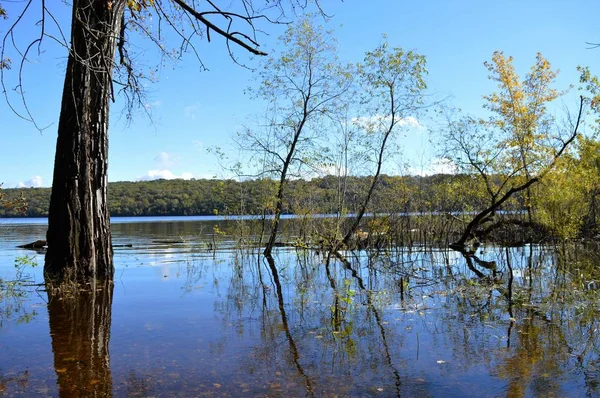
pixel 227 197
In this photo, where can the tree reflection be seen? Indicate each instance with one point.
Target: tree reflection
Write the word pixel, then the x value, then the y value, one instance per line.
pixel 347 325
pixel 285 326
pixel 551 324
pixel 80 332
pixel 378 320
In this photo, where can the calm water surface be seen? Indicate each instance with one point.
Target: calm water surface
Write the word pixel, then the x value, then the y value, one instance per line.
pixel 184 319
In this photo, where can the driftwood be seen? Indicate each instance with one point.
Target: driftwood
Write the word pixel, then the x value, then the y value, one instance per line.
pixel 38 244
pixel 43 245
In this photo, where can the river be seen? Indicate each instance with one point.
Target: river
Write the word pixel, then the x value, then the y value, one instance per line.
pixel 190 314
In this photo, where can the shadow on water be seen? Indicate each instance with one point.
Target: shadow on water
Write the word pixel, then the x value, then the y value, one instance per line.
pixel 80 331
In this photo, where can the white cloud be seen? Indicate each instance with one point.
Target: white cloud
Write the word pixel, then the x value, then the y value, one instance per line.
pixel 371 122
pixel 192 111
pixel 410 121
pixel 164 174
pixel 331 169
pixel 436 166
pixel 187 176
pixel 166 160
pixel 34 182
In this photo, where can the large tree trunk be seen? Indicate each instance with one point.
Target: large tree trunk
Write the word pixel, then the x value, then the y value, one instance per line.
pixel 79 240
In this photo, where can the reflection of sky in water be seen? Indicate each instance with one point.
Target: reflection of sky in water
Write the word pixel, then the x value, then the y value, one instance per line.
pixel 189 321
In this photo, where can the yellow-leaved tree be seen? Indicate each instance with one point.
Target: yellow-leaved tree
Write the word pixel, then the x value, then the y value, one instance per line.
pixel 517 145
pixel 519 111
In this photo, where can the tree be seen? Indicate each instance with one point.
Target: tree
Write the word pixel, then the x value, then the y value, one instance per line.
pixel 568 198
pixel 567 201
pixel 302 86
pixel 392 82
pixel 516 146
pixel 18 205
pixel 519 111
pixel 79 240
pixel 591 84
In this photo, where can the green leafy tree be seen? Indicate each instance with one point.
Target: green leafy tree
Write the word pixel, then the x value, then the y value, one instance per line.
pixel 302 85
pixel 392 83
pixel 568 200
pixel 14 205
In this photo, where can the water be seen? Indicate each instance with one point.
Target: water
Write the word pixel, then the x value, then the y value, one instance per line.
pixel 185 320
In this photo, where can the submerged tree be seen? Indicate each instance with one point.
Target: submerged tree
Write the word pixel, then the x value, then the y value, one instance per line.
pixel 517 146
pixel 311 98
pixel 392 85
pixel 302 87
pixel 79 240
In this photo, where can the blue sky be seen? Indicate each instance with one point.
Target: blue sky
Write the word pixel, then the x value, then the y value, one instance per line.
pixel 194 110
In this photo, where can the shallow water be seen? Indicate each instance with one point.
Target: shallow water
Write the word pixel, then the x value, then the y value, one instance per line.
pixel 185 320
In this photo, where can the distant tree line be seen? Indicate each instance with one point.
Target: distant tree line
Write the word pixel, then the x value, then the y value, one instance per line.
pixel 444 193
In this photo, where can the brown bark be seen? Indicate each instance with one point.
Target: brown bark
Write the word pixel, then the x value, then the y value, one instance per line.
pixel 79 240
